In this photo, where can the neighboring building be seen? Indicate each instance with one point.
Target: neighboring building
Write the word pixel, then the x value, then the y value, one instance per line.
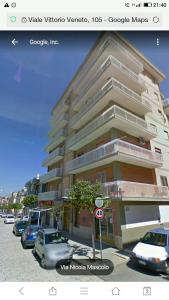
pixel 13 197
pixel 32 186
pixel 4 200
pixel 110 126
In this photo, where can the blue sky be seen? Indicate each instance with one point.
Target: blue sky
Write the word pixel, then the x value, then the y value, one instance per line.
pixel 32 80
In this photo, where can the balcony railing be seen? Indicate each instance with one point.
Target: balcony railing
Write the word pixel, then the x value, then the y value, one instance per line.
pixel 112 148
pixel 57 139
pixel 51 175
pixel 52 156
pixel 111 84
pixel 49 196
pixel 114 111
pixel 127 189
pixel 109 61
pixel 110 42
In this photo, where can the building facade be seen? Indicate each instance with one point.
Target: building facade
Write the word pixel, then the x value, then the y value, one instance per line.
pixel 110 126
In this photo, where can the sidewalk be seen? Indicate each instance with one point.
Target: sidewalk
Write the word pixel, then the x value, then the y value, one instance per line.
pixel 83 250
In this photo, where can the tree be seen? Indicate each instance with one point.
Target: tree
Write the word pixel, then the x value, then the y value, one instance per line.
pixel 30 201
pixel 17 206
pixel 82 196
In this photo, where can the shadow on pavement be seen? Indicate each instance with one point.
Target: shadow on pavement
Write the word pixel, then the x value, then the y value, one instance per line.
pixel 142 270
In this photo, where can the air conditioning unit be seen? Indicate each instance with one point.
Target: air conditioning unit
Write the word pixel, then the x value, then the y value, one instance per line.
pixel 142 141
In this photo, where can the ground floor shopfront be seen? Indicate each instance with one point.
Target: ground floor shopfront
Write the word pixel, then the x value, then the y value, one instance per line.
pixel 123 222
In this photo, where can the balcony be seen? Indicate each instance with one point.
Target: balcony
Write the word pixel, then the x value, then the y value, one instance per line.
pixel 166 106
pixel 51 175
pixel 58 123
pixel 134 191
pixel 111 67
pixel 114 91
pixel 57 140
pixel 116 150
pixel 114 117
pixel 49 196
pixel 110 47
pixel 53 157
pixel 60 108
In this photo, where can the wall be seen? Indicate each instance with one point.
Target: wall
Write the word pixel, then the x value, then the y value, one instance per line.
pixel 137 174
pixel 141 213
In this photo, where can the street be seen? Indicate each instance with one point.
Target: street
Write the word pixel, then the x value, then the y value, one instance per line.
pixel 18 264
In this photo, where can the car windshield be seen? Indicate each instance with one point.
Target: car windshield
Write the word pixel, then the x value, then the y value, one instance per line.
pixel 54 238
pixel 10 217
pixel 21 224
pixel 156 239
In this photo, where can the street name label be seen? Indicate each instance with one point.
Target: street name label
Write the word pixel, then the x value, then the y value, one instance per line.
pixel 86 267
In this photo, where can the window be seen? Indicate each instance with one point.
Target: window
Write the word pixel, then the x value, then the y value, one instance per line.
pixel 158 150
pixel 101 177
pixel 164 181
pixel 166 134
pixel 156 97
pixel 76 215
pixel 160 112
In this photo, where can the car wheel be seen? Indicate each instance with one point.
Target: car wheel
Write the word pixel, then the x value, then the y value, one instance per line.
pixel 34 251
pixel 43 262
pixel 167 267
pixel 24 245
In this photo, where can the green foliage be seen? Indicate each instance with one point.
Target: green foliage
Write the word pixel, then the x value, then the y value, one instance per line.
pixel 17 206
pixel 30 201
pixel 9 206
pixel 83 195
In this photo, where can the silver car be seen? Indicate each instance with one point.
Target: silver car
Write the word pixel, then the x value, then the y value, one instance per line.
pixel 52 248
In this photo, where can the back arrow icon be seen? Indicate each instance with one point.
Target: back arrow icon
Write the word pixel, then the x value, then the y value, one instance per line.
pixel 20 291
pixel 14 42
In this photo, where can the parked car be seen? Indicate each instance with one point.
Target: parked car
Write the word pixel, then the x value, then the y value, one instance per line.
pixel 9 219
pixel 19 227
pixel 19 216
pixel 153 250
pixel 52 247
pixel 29 236
pixel 3 215
pixel 25 218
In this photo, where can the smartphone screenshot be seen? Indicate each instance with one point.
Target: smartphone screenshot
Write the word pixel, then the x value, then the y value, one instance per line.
pixel 84 151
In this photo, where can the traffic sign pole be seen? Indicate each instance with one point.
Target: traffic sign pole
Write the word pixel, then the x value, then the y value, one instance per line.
pixel 100 233
pixel 99 214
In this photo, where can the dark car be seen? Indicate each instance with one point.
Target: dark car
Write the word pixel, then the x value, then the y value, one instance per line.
pixel 29 236
pixel 19 227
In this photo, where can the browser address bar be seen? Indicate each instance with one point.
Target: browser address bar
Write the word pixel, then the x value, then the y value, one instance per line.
pixel 82 20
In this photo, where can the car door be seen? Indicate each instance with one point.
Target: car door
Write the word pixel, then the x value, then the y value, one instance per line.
pixel 37 243
pixel 40 243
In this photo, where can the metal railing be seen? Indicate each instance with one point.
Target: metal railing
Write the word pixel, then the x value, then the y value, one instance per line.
pixel 114 111
pixel 102 49
pixel 55 140
pixel 50 195
pixel 110 84
pixel 110 60
pixel 51 174
pixel 111 148
pixel 53 154
pixel 122 189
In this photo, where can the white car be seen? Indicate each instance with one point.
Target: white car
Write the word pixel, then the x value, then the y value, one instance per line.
pixel 25 218
pixel 10 219
pixel 153 250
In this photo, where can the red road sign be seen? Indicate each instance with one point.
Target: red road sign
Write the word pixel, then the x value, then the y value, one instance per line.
pixel 99 214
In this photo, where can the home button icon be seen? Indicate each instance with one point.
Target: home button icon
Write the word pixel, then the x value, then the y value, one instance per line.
pixel 115 291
